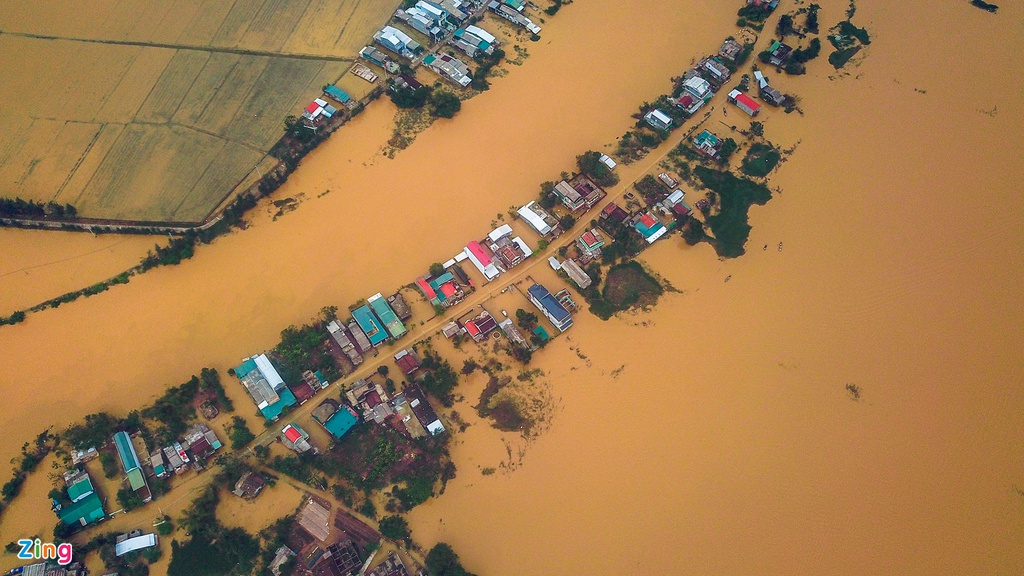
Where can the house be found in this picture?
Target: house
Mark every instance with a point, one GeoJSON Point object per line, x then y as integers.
{"type": "Point", "coordinates": [391, 566]}
{"type": "Point", "coordinates": [281, 556]}
{"type": "Point", "coordinates": [249, 485]}
{"type": "Point", "coordinates": [483, 262]}
{"type": "Point", "coordinates": [370, 326]}
{"type": "Point", "coordinates": [539, 219]}
{"type": "Point", "coordinates": [769, 5]}
{"type": "Point", "coordinates": [387, 315]}
{"type": "Point", "coordinates": [675, 204]}
{"type": "Point", "coordinates": [744, 102]}
{"type": "Point", "coordinates": [336, 419]}
{"type": "Point", "coordinates": [503, 9]}
{"type": "Point", "coordinates": [315, 518]}
{"type": "Point", "coordinates": [174, 460]}
{"type": "Point", "coordinates": [759, 77]}
{"type": "Point", "coordinates": [159, 465]}
{"type": "Point", "coordinates": [344, 342]}
{"type": "Point", "coordinates": [395, 40]}
{"type": "Point", "coordinates": [359, 338]}
{"type": "Point", "coordinates": [421, 20]}
{"type": "Point", "coordinates": [313, 113]}
{"type": "Point", "coordinates": [131, 465]}
{"type": "Point", "coordinates": [371, 54]}
{"type": "Point", "coordinates": [579, 193]}
{"type": "Point", "coordinates": [451, 329]}
{"type": "Point", "coordinates": [441, 291]}
{"type": "Point", "coordinates": [576, 274]}
{"type": "Point", "coordinates": [479, 326]}
{"type": "Point", "coordinates": [718, 72]}
{"type": "Point", "coordinates": [201, 440]}
{"type": "Point", "coordinates": [730, 50]}
{"type": "Point", "coordinates": [668, 180]}
{"type": "Point", "coordinates": [474, 41]}
{"type": "Point", "coordinates": [614, 213]}
{"type": "Point", "coordinates": [400, 306]}
{"type": "Point", "coordinates": [337, 94]}
{"type": "Point", "coordinates": [406, 82]}
{"type": "Point", "coordinates": [134, 541]}
{"type": "Point", "coordinates": [343, 557]}
{"type": "Point", "coordinates": [509, 251]}
{"type": "Point", "coordinates": [423, 410]}
{"type": "Point", "coordinates": [295, 438]}
{"type": "Point", "coordinates": [658, 120]}
{"type": "Point", "coordinates": [86, 506]}
{"type": "Point", "coordinates": [607, 161]}
{"type": "Point", "coordinates": [707, 143]}
{"type": "Point", "coordinates": [772, 96]}
{"type": "Point", "coordinates": [81, 456]}
{"type": "Point", "coordinates": [696, 92]}
{"type": "Point", "coordinates": [591, 242]}
{"type": "Point", "coordinates": [407, 361]}
{"type": "Point", "coordinates": [779, 53]}
{"type": "Point", "coordinates": [449, 67]}
{"type": "Point", "coordinates": [550, 307]}
{"type": "Point", "coordinates": [305, 388]}
{"type": "Point", "coordinates": [453, 11]}
{"type": "Point", "coordinates": [265, 385]}
{"type": "Point", "coordinates": [650, 228]}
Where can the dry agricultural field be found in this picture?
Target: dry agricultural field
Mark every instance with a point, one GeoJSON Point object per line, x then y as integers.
{"type": "Point", "coordinates": [156, 109]}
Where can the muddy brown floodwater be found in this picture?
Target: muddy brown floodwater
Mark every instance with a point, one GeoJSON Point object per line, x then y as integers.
{"type": "Point", "coordinates": [713, 434]}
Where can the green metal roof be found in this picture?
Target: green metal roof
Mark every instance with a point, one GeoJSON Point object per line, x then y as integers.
{"type": "Point", "coordinates": [341, 422]}
{"type": "Point", "coordinates": [80, 489]}
{"type": "Point", "coordinates": [84, 512]}
{"type": "Point", "coordinates": [129, 460]}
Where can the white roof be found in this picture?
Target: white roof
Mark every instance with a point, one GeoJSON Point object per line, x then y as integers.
{"type": "Point", "coordinates": [320, 102]}
{"type": "Point", "coordinates": [734, 94]}
{"type": "Point", "coordinates": [658, 114]}
{"type": "Point", "coordinates": [500, 232]}
{"type": "Point", "coordinates": [268, 371]}
{"type": "Point", "coordinates": [758, 75]}
{"type": "Point", "coordinates": [490, 271]}
{"type": "Point", "coordinates": [449, 263]}
{"type": "Point", "coordinates": [535, 221]}
{"type": "Point", "coordinates": [532, 27]}
{"type": "Point", "coordinates": [675, 197]}
{"type": "Point", "coordinates": [396, 35]}
{"type": "Point", "coordinates": [698, 86]}
{"type": "Point", "coordinates": [554, 263]}
{"type": "Point", "coordinates": [481, 34]}
{"type": "Point", "coordinates": [607, 161]}
{"type": "Point", "coordinates": [437, 12]}
{"type": "Point", "coordinates": [132, 544]}
{"type": "Point", "coordinates": [435, 427]}
{"type": "Point", "coordinates": [661, 232]}
{"type": "Point", "coordinates": [458, 258]}
{"type": "Point", "coordinates": [527, 251]}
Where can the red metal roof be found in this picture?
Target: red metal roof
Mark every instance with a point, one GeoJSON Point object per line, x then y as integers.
{"type": "Point", "coordinates": [589, 239]}
{"type": "Point", "coordinates": [426, 288]}
{"type": "Point", "coordinates": [407, 364]}
{"type": "Point", "coordinates": [372, 399]}
{"type": "Point", "coordinates": [449, 289]}
{"type": "Point", "coordinates": [292, 434]}
{"type": "Point", "coordinates": [647, 220]}
{"type": "Point", "coordinates": [312, 107]}
{"type": "Point", "coordinates": [471, 328]}
{"type": "Point", "coordinates": [748, 102]}
{"type": "Point", "coordinates": [479, 252]}
{"type": "Point", "coordinates": [686, 101]}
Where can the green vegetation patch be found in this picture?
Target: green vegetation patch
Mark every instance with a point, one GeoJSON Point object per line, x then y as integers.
{"type": "Point", "coordinates": [629, 285]}
{"type": "Point", "coordinates": [736, 195]}
{"type": "Point", "coordinates": [984, 6]}
{"type": "Point", "coordinates": [839, 58]}
{"type": "Point", "coordinates": [760, 160]}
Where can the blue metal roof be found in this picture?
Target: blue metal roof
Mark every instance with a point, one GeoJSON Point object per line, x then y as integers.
{"type": "Point", "coordinates": [342, 421]}
{"type": "Point", "coordinates": [549, 302]}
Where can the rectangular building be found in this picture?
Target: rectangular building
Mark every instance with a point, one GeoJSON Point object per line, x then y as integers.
{"type": "Point", "coordinates": [265, 385]}
{"type": "Point", "coordinates": [370, 326]}
{"type": "Point", "coordinates": [550, 307]}
{"type": "Point", "coordinates": [132, 467]}
{"type": "Point", "coordinates": [483, 261]}
{"type": "Point", "coordinates": [539, 219]}
{"type": "Point", "coordinates": [387, 315]}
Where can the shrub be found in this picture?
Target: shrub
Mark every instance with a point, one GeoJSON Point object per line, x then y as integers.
{"type": "Point", "coordinates": [395, 528]}
{"type": "Point", "coordinates": [444, 104]}
{"type": "Point", "coordinates": [239, 433]}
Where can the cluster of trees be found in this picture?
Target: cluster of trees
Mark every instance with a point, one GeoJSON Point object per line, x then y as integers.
{"type": "Point", "coordinates": [443, 561]}
{"type": "Point", "coordinates": [301, 348]}
{"type": "Point", "coordinates": [443, 104]}
{"type": "Point", "coordinates": [239, 433]}
{"type": "Point", "coordinates": [590, 164]}
{"type": "Point", "coordinates": [18, 208]}
{"type": "Point", "coordinates": [440, 379]}
{"type": "Point", "coordinates": [213, 548]}
{"type": "Point", "coordinates": [485, 62]}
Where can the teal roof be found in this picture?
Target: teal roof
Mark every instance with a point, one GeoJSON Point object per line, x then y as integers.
{"type": "Point", "coordinates": [337, 93]}
{"type": "Point", "coordinates": [80, 489]}
{"type": "Point", "coordinates": [86, 511]}
{"type": "Point", "coordinates": [708, 137]}
{"type": "Point", "coordinates": [540, 331]}
{"type": "Point", "coordinates": [126, 451]}
{"type": "Point", "coordinates": [342, 421]}
{"type": "Point", "coordinates": [245, 367]}
{"type": "Point", "coordinates": [370, 325]}
{"type": "Point", "coordinates": [274, 410]}
{"type": "Point", "coordinates": [159, 468]}
{"type": "Point", "coordinates": [387, 316]}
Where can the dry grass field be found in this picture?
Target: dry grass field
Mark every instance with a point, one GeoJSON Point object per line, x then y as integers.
{"type": "Point", "coordinates": [155, 109]}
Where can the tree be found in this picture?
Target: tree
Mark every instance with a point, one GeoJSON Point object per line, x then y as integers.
{"type": "Point", "coordinates": [725, 152]}
{"type": "Point", "coordinates": [528, 320]}
{"type": "Point", "coordinates": [129, 499]}
{"type": "Point", "coordinates": [567, 221]}
{"type": "Point", "coordinates": [383, 370]}
{"type": "Point", "coordinates": [436, 269]}
{"type": "Point", "coordinates": [395, 528]}
{"type": "Point", "coordinates": [785, 26]}
{"type": "Point", "coordinates": [590, 164]}
{"type": "Point", "coordinates": [240, 433]}
{"type": "Point", "coordinates": [444, 104]}
{"type": "Point", "coordinates": [811, 24]}
{"type": "Point", "coordinates": [693, 232]}
{"type": "Point", "coordinates": [409, 98]}
{"type": "Point", "coordinates": [756, 129]}
{"type": "Point", "coordinates": [108, 463]}
{"type": "Point", "coordinates": [443, 561]}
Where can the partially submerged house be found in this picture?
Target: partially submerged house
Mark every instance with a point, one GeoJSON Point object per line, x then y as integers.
{"type": "Point", "coordinates": [131, 465]}
{"type": "Point", "coordinates": [295, 438]}
{"type": "Point", "coordinates": [407, 361]}
{"type": "Point", "coordinates": [423, 410]}
{"type": "Point", "coordinates": [576, 274]}
{"type": "Point", "coordinates": [579, 193]}
{"type": "Point", "coordinates": [341, 337]}
{"type": "Point", "coordinates": [509, 250]}
{"type": "Point", "coordinates": [249, 485]}
{"type": "Point", "coordinates": [744, 102]}
{"type": "Point", "coordinates": [337, 94]}
{"type": "Point", "coordinates": [265, 385]}
{"type": "Point", "coordinates": [482, 260]}
{"type": "Point", "coordinates": [375, 56]}
{"type": "Point", "coordinates": [696, 92]}
{"type": "Point", "coordinates": [474, 41]}
{"type": "Point", "coordinates": [86, 506]}
{"type": "Point", "coordinates": [480, 325]}
{"type": "Point", "coordinates": [201, 441]}
{"type": "Point", "coordinates": [359, 337]}
{"type": "Point", "coordinates": [422, 19]}
{"type": "Point", "coordinates": [658, 120]}
{"type": "Point", "coordinates": [649, 227]}
{"type": "Point", "coordinates": [514, 335]}
{"type": "Point", "coordinates": [707, 143]}
{"type": "Point", "coordinates": [315, 518]}
{"type": "Point", "coordinates": [675, 204]}
{"type": "Point", "coordinates": [615, 213]}
{"type": "Point", "coordinates": [771, 96]}
{"type": "Point", "coordinates": [387, 315]}
{"type": "Point", "coordinates": [336, 419]}
{"type": "Point", "coordinates": [550, 307]}
{"type": "Point", "coordinates": [395, 40]}
{"type": "Point", "coordinates": [730, 50]}
{"type": "Point", "coordinates": [400, 306]}
{"type": "Point", "coordinates": [715, 70]}
{"type": "Point", "coordinates": [507, 11]}
{"type": "Point", "coordinates": [779, 53]}
{"type": "Point", "coordinates": [590, 243]}
{"type": "Point", "coordinates": [443, 290]}
{"type": "Point", "coordinates": [539, 219]}
{"type": "Point", "coordinates": [370, 325]}
{"type": "Point", "coordinates": [449, 67]}
{"type": "Point", "coordinates": [133, 542]}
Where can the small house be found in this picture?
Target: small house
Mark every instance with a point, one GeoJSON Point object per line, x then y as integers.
{"type": "Point", "coordinates": [336, 419]}
{"type": "Point", "coordinates": [395, 40]}
{"type": "Point", "coordinates": [579, 193]}
{"type": "Point", "coordinates": [337, 94]}
{"type": "Point", "coordinates": [744, 102]}
{"type": "Point", "coordinates": [513, 333]}
{"type": "Point", "coordinates": [607, 161]}
{"type": "Point", "coordinates": [383, 310]}
{"type": "Point", "coordinates": [370, 325]}
{"type": "Point", "coordinates": [650, 228]}
{"type": "Point", "coordinates": [707, 143]}
{"type": "Point", "coordinates": [779, 53]}
{"type": "Point", "coordinates": [295, 438]}
{"type": "Point", "coordinates": [342, 339]}
{"type": "Point", "coordinates": [483, 261]}
{"type": "Point", "coordinates": [658, 120]}
{"type": "Point", "coordinates": [134, 541]}
{"type": "Point", "coordinates": [508, 250]}
{"type": "Point", "coordinates": [86, 506]}
{"type": "Point", "coordinates": [400, 306]}
{"type": "Point", "coordinates": [359, 338]}
{"type": "Point", "coordinates": [696, 92]}
{"type": "Point", "coordinates": [249, 485]}
{"type": "Point", "coordinates": [423, 411]}
{"type": "Point", "coordinates": [615, 213]}
{"type": "Point", "coordinates": [480, 326]}
{"type": "Point", "coordinates": [407, 361]}
{"type": "Point", "coordinates": [449, 67]}
{"type": "Point", "coordinates": [509, 12]}
{"type": "Point", "coordinates": [772, 96]}
{"type": "Point", "coordinates": [718, 72]}
{"type": "Point", "coordinates": [591, 242]}
{"type": "Point", "coordinates": [374, 56]}
{"type": "Point", "coordinates": [576, 274]}
{"type": "Point", "coordinates": [539, 219]}
{"type": "Point", "coordinates": [730, 50]}
{"type": "Point", "coordinates": [131, 465]}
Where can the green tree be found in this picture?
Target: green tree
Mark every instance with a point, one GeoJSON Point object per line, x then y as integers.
{"type": "Point", "coordinates": [408, 98]}
{"type": "Point", "coordinates": [383, 370]}
{"type": "Point", "coordinates": [129, 499]}
{"type": "Point", "coordinates": [444, 104]}
{"type": "Point", "coordinates": [240, 433]}
{"type": "Point", "coordinates": [443, 561]}
{"type": "Point", "coordinates": [590, 164]}
{"type": "Point", "coordinates": [395, 528]}
{"type": "Point", "coordinates": [436, 269]}
{"type": "Point", "coordinates": [756, 129]}
{"type": "Point", "coordinates": [527, 320]}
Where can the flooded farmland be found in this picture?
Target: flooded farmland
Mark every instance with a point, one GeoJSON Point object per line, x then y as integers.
{"type": "Point", "coordinates": [714, 433]}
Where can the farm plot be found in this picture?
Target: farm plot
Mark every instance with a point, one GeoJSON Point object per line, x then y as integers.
{"type": "Point", "coordinates": [155, 111]}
